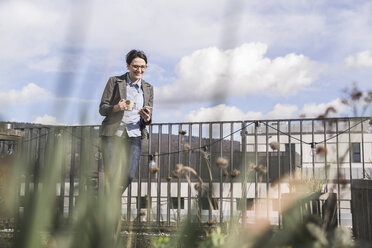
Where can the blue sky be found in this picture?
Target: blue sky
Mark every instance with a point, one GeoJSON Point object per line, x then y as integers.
{"type": "Point", "coordinates": [208, 60]}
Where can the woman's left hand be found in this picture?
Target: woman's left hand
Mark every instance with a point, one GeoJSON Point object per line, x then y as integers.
{"type": "Point", "coordinates": [145, 113]}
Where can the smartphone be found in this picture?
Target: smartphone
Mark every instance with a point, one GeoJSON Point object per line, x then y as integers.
{"type": "Point", "coordinates": [146, 109]}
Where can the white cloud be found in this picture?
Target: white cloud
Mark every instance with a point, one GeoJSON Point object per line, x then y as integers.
{"type": "Point", "coordinates": [281, 111]}
{"type": "Point", "coordinates": [29, 93]}
{"type": "Point", "coordinates": [213, 75]}
{"type": "Point", "coordinates": [65, 63]}
{"type": "Point", "coordinates": [314, 110]}
{"type": "Point", "coordinates": [46, 120]}
{"type": "Point", "coordinates": [32, 93]}
{"type": "Point", "coordinates": [360, 60]}
{"type": "Point", "coordinates": [224, 112]}
{"type": "Point", "coordinates": [44, 28]}
{"type": "Point", "coordinates": [220, 112]}
{"type": "Point", "coordinates": [28, 29]}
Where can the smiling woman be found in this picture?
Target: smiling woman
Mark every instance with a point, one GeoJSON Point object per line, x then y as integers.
{"type": "Point", "coordinates": [127, 106]}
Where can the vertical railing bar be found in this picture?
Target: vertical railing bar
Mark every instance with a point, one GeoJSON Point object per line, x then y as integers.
{"type": "Point", "coordinates": [362, 149]}
{"type": "Point", "coordinates": [63, 173]}
{"type": "Point", "coordinates": [149, 198]}
{"type": "Point", "coordinates": [100, 171]}
{"type": "Point", "coordinates": [47, 136]}
{"type": "Point", "coordinates": [139, 184]}
{"type": "Point", "coordinates": [267, 170]}
{"type": "Point", "coordinates": [169, 171]}
{"type": "Point", "coordinates": [200, 145]}
{"type": "Point", "coordinates": [129, 197]}
{"type": "Point", "coordinates": [312, 147]}
{"type": "Point", "coordinates": [279, 176]}
{"type": "Point", "coordinates": [160, 133]}
{"type": "Point", "coordinates": [29, 164]}
{"type": "Point", "coordinates": [81, 163]}
{"type": "Point", "coordinates": [88, 148]}
{"type": "Point", "coordinates": [256, 173]}
{"type": "Point", "coordinates": [139, 190]}
{"type": "Point", "coordinates": [179, 177]}
{"type": "Point", "coordinates": [129, 201]}
{"type": "Point", "coordinates": [200, 169]}
{"type": "Point", "coordinates": [350, 169]}
{"type": "Point", "coordinates": [221, 174]}
{"type": "Point", "coordinates": [244, 174]}
{"type": "Point", "coordinates": [231, 169]}
{"type": "Point", "coordinates": [21, 149]}
{"type": "Point", "coordinates": [301, 150]}
{"type": "Point", "coordinates": [37, 162]}
{"type": "Point", "coordinates": [350, 153]}
{"type": "Point", "coordinates": [338, 177]}
{"type": "Point", "coordinates": [290, 149]}
{"type": "Point", "coordinates": [325, 155]}
{"type": "Point", "coordinates": [210, 181]}
{"type": "Point", "coordinates": [72, 174]}
{"type": "Point", "coordinates": [189, 164]}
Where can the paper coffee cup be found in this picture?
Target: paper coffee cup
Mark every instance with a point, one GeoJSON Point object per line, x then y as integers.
{"type": "Point", "coordinates": [129, 104]}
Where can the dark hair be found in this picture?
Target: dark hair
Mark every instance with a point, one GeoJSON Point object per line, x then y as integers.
{"type": "Point", "coordinates": [135, 54]}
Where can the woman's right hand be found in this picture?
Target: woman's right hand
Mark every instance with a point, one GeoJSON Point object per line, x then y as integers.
{"type": "Point", "coordinates": [121, 106]}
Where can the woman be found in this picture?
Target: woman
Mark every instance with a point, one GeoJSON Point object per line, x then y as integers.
{"type": "Point", "coordinates": [127, 106]}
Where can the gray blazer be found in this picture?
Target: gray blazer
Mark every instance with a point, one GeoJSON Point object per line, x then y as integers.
{"type": "Point", "coordinates": [115, 90]}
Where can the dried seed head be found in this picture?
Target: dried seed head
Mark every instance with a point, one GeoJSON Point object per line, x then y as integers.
{"type": "Point", "coordinates": [182, 132]}
{"type": "Point", "coordinates": [329, 110]}
{"type": "Point", "coordinates": [169, 179]}
{"type": "Point", "coordinates": [261, 169]}
{"type": "Point", "coordinates": [187, 169]}
{"type": "Point", "coordinates": [341, 179]}
{"type": "Point", "coordinates": [252, 166]}
{"type": "Point", "coordinates": [211, 222]}
{"type": "Point", "coordinates": [205, 155]}
{"type": "Point", "coordinates": [176, 173]}
{"type": "Point", "coordinates": [222, 163]}
{"type": "Point", "coordinates": [142, 213]}
{"type": "Point", "coordinates": [154, 170]}
{"type": "Point", "coordinates": [197, 187]}
{"type": "Point", "coordinates": [355, 94]}
{"type": "Point", "coordinates": [234, 173]}
{"type": "Point", "coordinates": [179, 167]}
{"type": "Point", "coordinates": [186, 146]}
{"type": "Point", "coordinates": [275, 145]}
{"type": "Point", "coordinates": [321, 150]}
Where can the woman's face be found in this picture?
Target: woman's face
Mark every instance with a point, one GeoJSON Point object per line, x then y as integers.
{"type": "Point", "coordinates": [136, 69]}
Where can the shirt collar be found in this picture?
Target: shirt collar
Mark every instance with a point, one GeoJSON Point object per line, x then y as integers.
{"type": "Point", "coordinates": [138, 84]}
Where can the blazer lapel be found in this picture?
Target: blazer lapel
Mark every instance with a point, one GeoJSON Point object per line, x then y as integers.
{"type": "Point", "coordinates": [122, 85]}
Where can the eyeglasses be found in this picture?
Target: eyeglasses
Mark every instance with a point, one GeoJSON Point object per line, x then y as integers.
{"type": "Point", "coordinates": [143, 67]}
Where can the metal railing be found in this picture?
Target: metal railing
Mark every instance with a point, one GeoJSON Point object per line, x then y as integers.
{"type": "Point", "coordinates": [264, 157]}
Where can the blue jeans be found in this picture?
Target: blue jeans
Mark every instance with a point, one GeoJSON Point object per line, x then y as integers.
{"type": "Point", "coordinates": [121, 150]}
